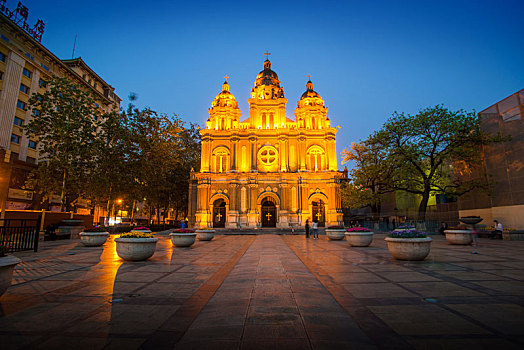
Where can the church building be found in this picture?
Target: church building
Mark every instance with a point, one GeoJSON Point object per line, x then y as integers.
{"type": "Point", "coordinates": [268, 170]}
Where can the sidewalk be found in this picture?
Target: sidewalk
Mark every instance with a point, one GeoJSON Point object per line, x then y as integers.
{"type": "Point", "coordinates": [266, 292]}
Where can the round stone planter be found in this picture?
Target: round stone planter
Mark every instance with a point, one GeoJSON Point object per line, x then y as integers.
{"type": "Point", "coordinates": [335, 234]}
{"type": "Point", "coordinates": [93, 239]}
{"type": "Point", "coordinates": [135, 249]}
{"type": "Point", "coordinates": [409, 248]}
{"type": "Point", "coordinates": [182, 240]}
{"type": "Point", "coordinates": [459, 237]}
{"type": "Point", "coordinates": [7, 265]}
{"type": "Point", "coordinates": [359, 239]}
{"type": "Point", "coordinates": [205, 235]}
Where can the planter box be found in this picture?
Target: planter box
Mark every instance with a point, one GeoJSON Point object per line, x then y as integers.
{"type": "Point", "coordinates": [459, 237]}
{"type": "Point", "coordinates": [93, 239]}
{"type": "Point", "coordinates": [135, 249]}
{"type": "Point", "coordinates": [205, 235]}
{"type": "Point", "coordinates": [182, 240]}
{"type": "Point", "coordinates": [409, 248]}
{"type": "Point", "coordinates": [335, 234]}
{"type": "Point", "coordinates": [7, 265]}
{"type": "Point", "coordinates": [359, 239]}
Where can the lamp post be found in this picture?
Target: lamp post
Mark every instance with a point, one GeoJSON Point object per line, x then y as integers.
{"type": "Point", "coordinates": [119, 201]}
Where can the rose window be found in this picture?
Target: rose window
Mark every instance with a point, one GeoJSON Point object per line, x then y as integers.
{"type": "Point", "coordinates": [267, 155]}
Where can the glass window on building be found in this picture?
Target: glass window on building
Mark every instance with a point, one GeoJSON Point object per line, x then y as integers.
{"type": "Point", "coordinates": [42, 83]}
{"type": "Point", "coordinates": [18, 121]}
{"type": "Point", "coordinates": [21, 105]}
{"type": "Point", "coordinates": [36, 112]}
{"type": "Point", "coordinates": [32, 144]}
{"type": "Point", "coordinates": [24, 89]}
{"type": "Point", "coordinates": [27, 73]}
{"type": "Point", "coordinates": [3, 57]}
{"type": "Point", "coordinates": [1, 75]}
{"type": "Point", "coordinates": [31, 160]}
{"type": "Point", "coordinates": [15, 138]}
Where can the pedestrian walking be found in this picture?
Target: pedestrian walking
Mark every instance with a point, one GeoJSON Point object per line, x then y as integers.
{"type": "Point", "coordinates": [307, 228]}
{"type": "Point", "coordinates": [497, 232]}
{"type": "Point", "coordinates": [315, 229]}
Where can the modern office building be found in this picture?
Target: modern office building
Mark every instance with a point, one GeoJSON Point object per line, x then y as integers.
{"type": "Point", "coordinates": [504, 164]}
{"type": "Point", "coordinates": [25, 65]}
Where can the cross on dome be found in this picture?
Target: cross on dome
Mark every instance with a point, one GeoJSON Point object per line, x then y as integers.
{"type": "Point", "coordinates": [267, 53]}
{"type": "Point", "coordinates": [226, 77]}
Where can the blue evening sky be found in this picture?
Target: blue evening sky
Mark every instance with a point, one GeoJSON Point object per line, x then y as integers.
{"type": "Point", "coordinates": [367, 58]}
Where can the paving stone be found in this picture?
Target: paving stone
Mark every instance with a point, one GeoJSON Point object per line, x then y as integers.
{"type": "Point", "coordinates": [266, 291]}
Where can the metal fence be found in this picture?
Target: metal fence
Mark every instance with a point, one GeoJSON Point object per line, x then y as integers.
{"type": "Point", "coordinates": [19, 234]}
{"type": "Point", "coordinates": [430, 226]}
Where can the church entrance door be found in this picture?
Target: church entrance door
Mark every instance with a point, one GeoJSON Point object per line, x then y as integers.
{"type": "Point", "coordinates": [269, 214]}
{"type": "Point", "coordinates": [219, 213]}
{"type": "Point", "coordinates": [319, 213]}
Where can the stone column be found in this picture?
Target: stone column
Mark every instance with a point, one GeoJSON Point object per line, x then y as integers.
{"type": "Point", "coordinates": [234, 143]}
{"type": "Point", "coordinates": [302, 153]}
{"type": "Point", "coordinates": [253, 154]}
{"type": "Point", "coordinates": [9, 97]}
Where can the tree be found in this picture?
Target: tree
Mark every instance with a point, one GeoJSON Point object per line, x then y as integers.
{"type": "Point", "coordinates": [64, 123]}
{"type": "Point", "coordinates": [370, 178]}
{"type": "Point", "coordinates": [425, 151]}
{"type": "Point", "coordinates": [164, 151]}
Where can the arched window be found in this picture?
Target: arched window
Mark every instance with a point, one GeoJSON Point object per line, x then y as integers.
{"type": "Point", "coordinates": [220, 160]}
{"type": "Point", "coordinates": [316, 159]}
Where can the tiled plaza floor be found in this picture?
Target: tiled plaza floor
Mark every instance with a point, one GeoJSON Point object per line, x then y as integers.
{"type": "Point", "coordinates": [266, 292]}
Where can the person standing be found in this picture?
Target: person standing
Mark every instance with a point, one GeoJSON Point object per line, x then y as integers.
{"type": "Point", "coordinates": [315, 229]}
{"type": "Point", "coordinates": [307, 228]}
{"type": "Point", "coordinates": [497, 232]}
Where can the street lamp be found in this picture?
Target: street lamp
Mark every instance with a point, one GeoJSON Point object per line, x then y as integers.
{"type": "Point", "coordinates": [119, 201]}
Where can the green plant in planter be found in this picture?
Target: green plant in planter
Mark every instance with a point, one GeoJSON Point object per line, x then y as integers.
{"type": "Point", "coordinates": [96, 229]}
{"type": "Point", "coordinates": [184, 230]}
{"type": "Point", "coordinates": [136, 235]}
{"type": "Point", "coordinates": [407, 234]}
{"type": "Point", "coordinates": [359, 229]}
{"type": "Point", "coordinates": [4, 249]}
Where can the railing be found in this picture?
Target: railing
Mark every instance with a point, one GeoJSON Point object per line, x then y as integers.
{"type": "Point", "coordinates": [430, 226]}
{"type": "Point", "coordinates": [19, 234]}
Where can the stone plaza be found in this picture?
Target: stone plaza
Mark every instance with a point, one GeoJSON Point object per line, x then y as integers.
{"type": "Point", "coordinates": [266, 292]}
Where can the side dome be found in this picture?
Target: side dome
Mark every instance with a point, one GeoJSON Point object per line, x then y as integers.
{"type": "Point", "coordinates": [310, 97]}
{"type": "Point", "coordinates": [225, 98]}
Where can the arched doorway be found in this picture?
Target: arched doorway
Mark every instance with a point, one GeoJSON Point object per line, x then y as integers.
{"type": "Point", "coordinates": [268, 213]}
{"type": "Point", "coordinates": [219, 213]}
{"type": "Point", "coordinates": [319, 213]}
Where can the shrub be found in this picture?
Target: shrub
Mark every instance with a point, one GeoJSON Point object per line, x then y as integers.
{"type": "Point", "coordinates": [359, 229]}
{"type": "Point", "coordinates": [4, 249]}
{"type": "Point", "coordinates": [136, 235]}
{"type": "Point", "coordinates": [97, 229]}
{"type": "Point", "coordinates": [407, 234]}
{"type": "Point", "coordinates": [335, 227]}
{"type": "Point", "coordinates": [184, 230]}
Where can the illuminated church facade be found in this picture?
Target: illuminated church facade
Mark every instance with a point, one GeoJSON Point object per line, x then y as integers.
{"type": "Point", "coordinates": [268, 170]}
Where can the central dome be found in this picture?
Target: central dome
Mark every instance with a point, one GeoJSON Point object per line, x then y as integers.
{"type": "Point", "coordinates": [267, 76]}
